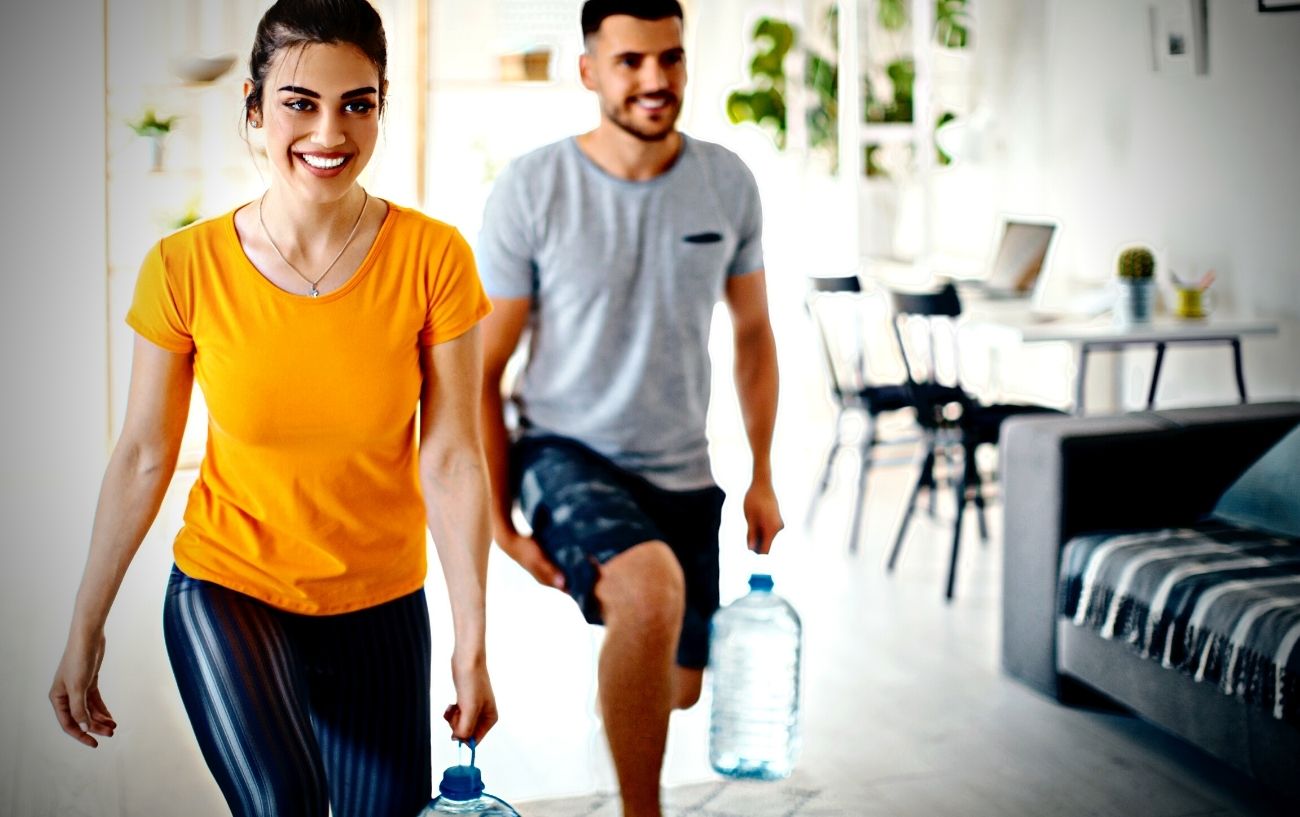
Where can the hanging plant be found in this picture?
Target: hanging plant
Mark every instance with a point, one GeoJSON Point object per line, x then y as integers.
{"type": "Point", "coordinates": [822, 78]}
{"type": "Point", "coordinates": [952, 23]}
{"type": "Point", "coordinates": [892, 14]}
{"type": "Point", "coordinates": [764, 104]}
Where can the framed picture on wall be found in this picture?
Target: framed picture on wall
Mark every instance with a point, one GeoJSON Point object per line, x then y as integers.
{"type": "Point", "coordinates": [1279, 5]}
{"type": "Point", "coordinates": [1179, 40]}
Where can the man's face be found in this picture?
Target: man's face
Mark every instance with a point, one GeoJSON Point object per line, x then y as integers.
{"type": "Point", "coordinates": [638, 70]}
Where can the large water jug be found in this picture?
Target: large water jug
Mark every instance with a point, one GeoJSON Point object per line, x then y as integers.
{"type": "Point", "coordinates": [461, 792]}
{"type": "Point", "coordinates": [754, 727]}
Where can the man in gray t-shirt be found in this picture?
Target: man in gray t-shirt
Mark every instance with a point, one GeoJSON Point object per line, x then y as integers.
{"type": "Point", "coordinates": [608, 252]}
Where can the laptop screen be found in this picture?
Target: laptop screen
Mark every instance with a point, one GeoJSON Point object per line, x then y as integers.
{"type": "Point", "coordinates": [1020, 256]}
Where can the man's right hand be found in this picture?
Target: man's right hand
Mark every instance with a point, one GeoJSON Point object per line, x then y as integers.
{"type": "Point", "coordinates": [531, 557]}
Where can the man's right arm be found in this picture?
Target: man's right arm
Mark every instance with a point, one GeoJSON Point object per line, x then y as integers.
{"type": "Point", "coordinates": [501, 333]}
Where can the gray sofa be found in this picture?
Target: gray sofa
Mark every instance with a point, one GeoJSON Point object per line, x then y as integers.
{"type": "Point", "coordinates": [1068, 476]}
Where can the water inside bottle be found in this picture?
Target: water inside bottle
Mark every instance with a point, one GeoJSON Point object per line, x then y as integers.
{"type": "Point", "coordinates": [754, 731]}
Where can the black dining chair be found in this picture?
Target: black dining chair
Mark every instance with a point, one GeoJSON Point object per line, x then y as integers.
{"type": "Point", "coordinates": [954, 424]}
{"type": "Point", "coordinates": [847, 330]}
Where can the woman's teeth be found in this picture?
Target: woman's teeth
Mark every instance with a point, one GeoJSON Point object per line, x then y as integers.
{"type": "Point", "coordinates": [321, 162]}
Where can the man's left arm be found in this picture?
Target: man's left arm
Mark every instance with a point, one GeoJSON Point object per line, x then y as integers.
{"type": "Point", "coordinates": [756, 385]}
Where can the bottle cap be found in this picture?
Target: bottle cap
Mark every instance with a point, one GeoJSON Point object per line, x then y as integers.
{"type": "Point", "coordinates": [760, 581]}
{"type": "Point", "coordinates": [461, 783]}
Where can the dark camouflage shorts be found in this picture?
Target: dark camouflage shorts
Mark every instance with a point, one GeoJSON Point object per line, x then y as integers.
{"type": "Point", "coordinates": [585, 510]}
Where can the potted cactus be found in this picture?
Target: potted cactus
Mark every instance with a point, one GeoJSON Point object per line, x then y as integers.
{"type": "Point", "coordinates": [1136, 269]}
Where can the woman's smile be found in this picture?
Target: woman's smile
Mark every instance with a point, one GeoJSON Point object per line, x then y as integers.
{"type": "Point", "coordinates": [324, 165]}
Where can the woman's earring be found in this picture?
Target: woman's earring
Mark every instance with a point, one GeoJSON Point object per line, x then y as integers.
{"type": "Point", "coordinates": [257, 123]}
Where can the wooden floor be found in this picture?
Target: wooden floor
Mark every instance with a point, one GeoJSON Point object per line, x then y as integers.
{"type": "Point", "coordinates": [906, 711]}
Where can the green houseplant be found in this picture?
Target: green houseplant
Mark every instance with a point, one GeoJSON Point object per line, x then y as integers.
{"type": "Point", "coordinates": [1135, 269]}
{"type": "Point", "coordinates": [184, 217]}
{"type": "Point", "coordinates": [155, 129]}
{"type": "Point", "coordinates": [764, 104]}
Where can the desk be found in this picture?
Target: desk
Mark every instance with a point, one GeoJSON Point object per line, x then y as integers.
{"type": "Point", "coordinates": [1102, 334]}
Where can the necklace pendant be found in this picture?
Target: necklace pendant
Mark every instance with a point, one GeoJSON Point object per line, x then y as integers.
{"type": "Point", "coordinates": [315, 293]}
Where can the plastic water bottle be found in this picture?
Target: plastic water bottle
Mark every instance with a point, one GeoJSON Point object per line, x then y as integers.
{"type": "Point", "coordinates": [461, 792]}
{"type": "Point", "coordinates": [754, 725]}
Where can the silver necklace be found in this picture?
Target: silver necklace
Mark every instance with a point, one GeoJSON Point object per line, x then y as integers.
{"type": "Point", "coordinates": [315, 293]}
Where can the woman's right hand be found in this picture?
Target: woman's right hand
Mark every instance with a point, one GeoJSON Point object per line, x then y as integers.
{"type": "Point", "coordinates": [75, 692]}
{"type": "Point", "coordinates": [135, 482]}
{"type": "Point", "coordinates": [531, 557]}
{"type": "Point", "coordinates": [475, 710]}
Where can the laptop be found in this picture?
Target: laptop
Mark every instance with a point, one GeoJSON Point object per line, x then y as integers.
{"type": "Point", "coordinates": [1017, 273]}
{"type": "Point", "coordinates": [1017, 266]}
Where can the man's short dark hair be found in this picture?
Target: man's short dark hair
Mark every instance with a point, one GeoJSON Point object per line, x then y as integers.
{"type": "Point", "coordinates": [594, 12]}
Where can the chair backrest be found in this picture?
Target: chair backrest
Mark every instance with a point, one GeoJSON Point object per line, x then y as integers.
{"type": "Point", "coordinates": [852, 330]}
{"type": "Point", "coordinates": [839, 283]}
{"type": "Point", "coordinates": [925, 330]}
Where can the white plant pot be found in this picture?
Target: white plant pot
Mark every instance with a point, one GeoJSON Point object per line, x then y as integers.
{"type": "Point", "coordinates": [157, 152]}
{"type": "Point", "coordinates": [1136, 302]}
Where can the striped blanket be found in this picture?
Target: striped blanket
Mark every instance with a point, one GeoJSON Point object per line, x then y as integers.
{"type": "Point", "coordinates": [1219, 603]}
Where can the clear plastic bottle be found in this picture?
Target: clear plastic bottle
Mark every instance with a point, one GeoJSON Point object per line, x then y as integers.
{"type": "Point", "coordinates": [754, 723]}
{"type": "Point", "coordinates": [461, 792]}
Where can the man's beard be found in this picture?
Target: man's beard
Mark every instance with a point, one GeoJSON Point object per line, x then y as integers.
{"type": "Point", "coordinates": [620, 117]}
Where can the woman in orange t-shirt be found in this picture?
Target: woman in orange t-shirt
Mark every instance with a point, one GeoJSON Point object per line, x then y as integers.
{"type": "Point", "coordinates": [334, 336]}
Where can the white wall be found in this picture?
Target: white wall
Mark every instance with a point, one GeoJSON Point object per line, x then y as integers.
{"type": "Point", "coordinates": [55, 380]}
{"type": "Point", "coordinates": [1202, 168]}
{"type": "Point", "coordinates": [56, 428]}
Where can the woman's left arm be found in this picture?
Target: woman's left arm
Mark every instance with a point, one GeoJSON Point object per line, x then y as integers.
{"type": "Point", "coordinates": [453, 477]}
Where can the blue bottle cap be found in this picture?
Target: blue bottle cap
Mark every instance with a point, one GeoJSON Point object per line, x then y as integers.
{"type": "Point", "coordinates": [760, 581]}
{"type": "Point", "coordinates": [461, 783]}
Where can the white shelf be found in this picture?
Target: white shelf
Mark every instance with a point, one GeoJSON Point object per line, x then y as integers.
{"type": "Point", "coordinates": [504, 86]}
{"type": "Point", "coordinates": [873, 215]}
{"type": "Point", "coordinates": [887, 133]}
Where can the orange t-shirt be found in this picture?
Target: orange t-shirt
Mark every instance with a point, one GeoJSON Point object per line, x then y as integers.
{"type": "Point", "coordinates": [308, 497]}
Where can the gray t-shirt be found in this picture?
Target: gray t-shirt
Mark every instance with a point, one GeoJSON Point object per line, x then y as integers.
{"type": "Point", "coordinates": [624, 276]}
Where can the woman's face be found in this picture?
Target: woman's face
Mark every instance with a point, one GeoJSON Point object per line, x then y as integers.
{"type": "Point", "coordinates": [320, 113]}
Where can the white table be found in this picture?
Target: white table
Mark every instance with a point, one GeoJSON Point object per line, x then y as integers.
{"type": "Point", "coordinates": [1103, 334]}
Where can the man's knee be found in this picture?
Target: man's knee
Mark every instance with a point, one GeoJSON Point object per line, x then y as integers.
{"type": "Point", "coordinates": [643, 584]}
{"type": "Point", "coordinates": [687, 684]}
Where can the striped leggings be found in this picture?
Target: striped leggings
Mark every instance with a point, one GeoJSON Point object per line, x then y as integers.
{"type": "Point", "coordinates": [297, 714]}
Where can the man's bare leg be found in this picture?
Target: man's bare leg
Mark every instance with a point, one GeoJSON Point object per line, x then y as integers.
{"type": "Point", "coordinates": [642, 596]}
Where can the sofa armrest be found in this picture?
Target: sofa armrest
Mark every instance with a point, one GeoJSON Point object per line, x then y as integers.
{"type": "Point", "coordinates": [1063, 476]}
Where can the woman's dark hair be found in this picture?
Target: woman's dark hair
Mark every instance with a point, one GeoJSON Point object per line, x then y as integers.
{"type": "Point", "coordinates": [291, 23]}
{"type": "Point", "coordinates": [594, 12]}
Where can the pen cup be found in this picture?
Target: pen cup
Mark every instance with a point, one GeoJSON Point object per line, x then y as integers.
{"type": "Point", "coordinates": [1190, 302]}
